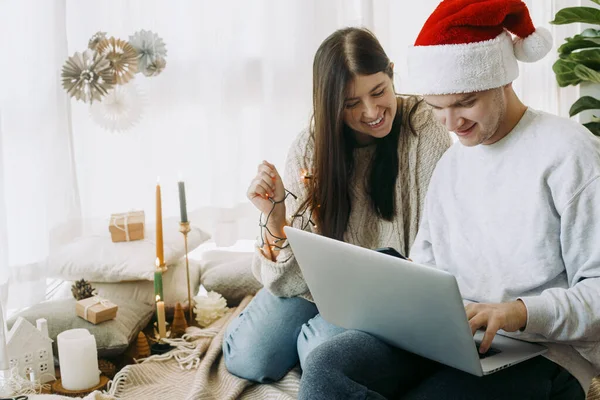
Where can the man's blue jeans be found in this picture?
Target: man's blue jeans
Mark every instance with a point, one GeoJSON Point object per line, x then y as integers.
{"type": "Point", "coordinates": [272, 334]}
{"type": "Point", "coordinates": [356, 366]}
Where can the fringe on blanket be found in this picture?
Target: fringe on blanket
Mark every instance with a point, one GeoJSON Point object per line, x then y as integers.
{"type": "Point", "coordinates": [117, 382]}
{"type": "Point", "coordinates": [188, 351]}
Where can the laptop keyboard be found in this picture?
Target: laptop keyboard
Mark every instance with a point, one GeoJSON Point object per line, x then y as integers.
{"type": "Point", "coordinates": [491, 352]}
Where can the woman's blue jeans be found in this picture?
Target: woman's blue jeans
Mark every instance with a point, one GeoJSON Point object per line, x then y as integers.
{"type": "Point", "coordinates": [272, 334]}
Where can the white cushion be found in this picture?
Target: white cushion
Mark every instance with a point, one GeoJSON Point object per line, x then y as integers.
{"type": "Point", "coordinates": [174, 287]}
{"type": "Point", "coordinates": [229, 273]}
{"type": "Point", "coordinates": [96, 258]}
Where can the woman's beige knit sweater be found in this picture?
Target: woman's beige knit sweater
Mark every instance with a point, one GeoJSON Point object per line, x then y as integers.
{"type": "Point", "coordinates": [418, 154]}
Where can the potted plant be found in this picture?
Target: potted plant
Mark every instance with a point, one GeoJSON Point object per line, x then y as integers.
{"type": "Point", "coordinates": [579, 58]}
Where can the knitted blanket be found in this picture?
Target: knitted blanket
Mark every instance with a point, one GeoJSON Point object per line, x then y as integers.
{"type": "Point", "coordinates": [196, 370]}
{"type": "Point", "coordinates": [594, 392]}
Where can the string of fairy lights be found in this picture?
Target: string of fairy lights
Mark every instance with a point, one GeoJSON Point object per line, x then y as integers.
{"type": "Point", "coordinates": [304, 223]}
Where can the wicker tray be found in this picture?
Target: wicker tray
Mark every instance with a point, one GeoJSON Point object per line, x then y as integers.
{"type": "Point", "coordinates": [57, 388]}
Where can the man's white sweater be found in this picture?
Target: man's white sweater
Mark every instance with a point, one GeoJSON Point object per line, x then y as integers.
{"type": "Point", "coordinates": [521, 219]}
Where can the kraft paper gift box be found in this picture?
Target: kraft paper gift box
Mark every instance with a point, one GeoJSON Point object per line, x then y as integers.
{"type": "Point", "coordinates": [96, 309]}
{"type": "Point", "coordinates": [127, 226]}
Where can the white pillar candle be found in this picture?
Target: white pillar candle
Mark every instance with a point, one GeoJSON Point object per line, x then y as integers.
{"type": "Point", "coordinates": [4, 365]}
{"type": "Point", "coordinates": [78, 357]}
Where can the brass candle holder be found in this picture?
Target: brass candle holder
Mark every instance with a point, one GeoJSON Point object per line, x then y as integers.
{"type": "Point", "coordinates": [163, 268]}
{"type": "Point", "coordinates": [184, 227]}
{"type": "Point", "coordinates": [155, 338]}
{"type": "Point", "coordinates": [157, 344]}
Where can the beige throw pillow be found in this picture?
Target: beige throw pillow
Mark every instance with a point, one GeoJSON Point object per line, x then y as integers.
{"type": "Point", "coordinates": [112, 337]}
{"type": "Point", "coordinates": [229, 273]}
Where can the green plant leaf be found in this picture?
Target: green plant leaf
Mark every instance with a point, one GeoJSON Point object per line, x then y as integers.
{"type": "Point", "coordinates": [586, 74]}
{"type": "Point", "coordinates": [590, 58]}
{"type": "Point", "coordinates": [594, 127]}
{"type": "Point", "coordinates": [590, 33]}
{"type": "Point", "coordinates": [565, 72]}
{"type": "Point", "coordinates": [596, 1]}
{"type": "Point", "coordinates": [584, 103]}
{"type": "Point", "coordinates": [587, 34]}
{"type": "Point", "coordinates": [571, 15]}
{"type": "Point", "coordinates": [576, 44]}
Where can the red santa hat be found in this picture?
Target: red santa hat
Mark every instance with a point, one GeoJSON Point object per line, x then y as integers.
{"type": "Point", "coordinates": [465, 46]}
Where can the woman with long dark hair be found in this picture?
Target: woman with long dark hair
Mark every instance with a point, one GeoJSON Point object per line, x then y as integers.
{"type": "Point", "coordinates": [358, 174]}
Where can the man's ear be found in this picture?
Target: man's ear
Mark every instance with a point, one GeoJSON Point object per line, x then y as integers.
{"type": "Point", "coordinates": [392, 66]}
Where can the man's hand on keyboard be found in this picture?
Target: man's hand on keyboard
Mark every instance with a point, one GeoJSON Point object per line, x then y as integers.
{"type": "Point", "coordinates": [508, 316]}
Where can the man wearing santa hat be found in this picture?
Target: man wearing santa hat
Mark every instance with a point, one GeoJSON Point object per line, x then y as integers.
{"type": "Point", "coordinates": [512, 211]}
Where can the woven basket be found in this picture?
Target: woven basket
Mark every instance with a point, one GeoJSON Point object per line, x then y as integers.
{"type": "Point", "coordinates": [594, 392]}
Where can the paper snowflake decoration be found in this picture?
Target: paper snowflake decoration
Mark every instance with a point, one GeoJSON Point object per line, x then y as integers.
{"type": "Point", "coordinates": [122, 57]}
{"type": "Point", "coordinates": [94, 40]}
{"type": "Point", "coordinates": [120, 110]}
{"type": "Point", "coordinates": [151, 49]}
{"type": "Point", "coordinates": [156, 67]}
{"type": "Point", "coordinates": [87, 76]}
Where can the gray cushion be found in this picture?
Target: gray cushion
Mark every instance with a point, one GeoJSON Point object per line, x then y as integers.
{"type": "Point", "coordinates": [112, 337]}
{"type": "Point", "coordinates": [229, 273]}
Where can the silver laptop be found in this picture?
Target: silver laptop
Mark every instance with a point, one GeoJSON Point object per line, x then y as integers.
{"type": "Point", "coordinates": [411, 306]}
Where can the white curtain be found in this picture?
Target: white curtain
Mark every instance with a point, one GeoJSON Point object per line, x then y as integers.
{"type": "Point", "coordinates": [38, 186]}
{"type": "Point", "coordinates": [236, 90]}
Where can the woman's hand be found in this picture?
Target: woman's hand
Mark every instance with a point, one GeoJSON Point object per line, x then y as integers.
{"type": "Point", "coordinates": [265, 186]}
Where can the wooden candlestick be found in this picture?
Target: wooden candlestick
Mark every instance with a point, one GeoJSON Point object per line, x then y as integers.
{"type": "Point", "coordinates": [184, 227]}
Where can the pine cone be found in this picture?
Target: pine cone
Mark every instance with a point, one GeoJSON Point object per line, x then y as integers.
{"type": "Point", "coordinates": [82, 289]}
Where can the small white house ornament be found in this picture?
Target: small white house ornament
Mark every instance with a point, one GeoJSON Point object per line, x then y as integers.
{"type": "Point", "coordinates": [30, 350]}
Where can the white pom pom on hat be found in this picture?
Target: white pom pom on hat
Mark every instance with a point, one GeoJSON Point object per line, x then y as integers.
{"type": "Point", "coordinates": [534, 47]}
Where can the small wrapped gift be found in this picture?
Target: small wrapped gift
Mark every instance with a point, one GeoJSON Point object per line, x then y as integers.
{"type": "Point", "coordinates": [127, 226]}
{"type": "Point", "coordinates": [96, 309]}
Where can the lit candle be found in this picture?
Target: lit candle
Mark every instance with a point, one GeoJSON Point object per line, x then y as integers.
{"type": "Point", "coordinates": [160, 253]}
{"type": "Point", "coordinates": [182, 203]}
{"type": "Point", "coordinates": [158, 283]}
{"type": "Point", "coordinates": [78, 358]}
{"type": "Point", "coordinates": [4, 364]}
{"type": "Point", "coordinates": [160, 315]}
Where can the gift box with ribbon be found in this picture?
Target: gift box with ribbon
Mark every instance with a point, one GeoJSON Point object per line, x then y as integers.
{"type": "Point", "coordinates": [127, 226]}
{"type": "Point", "coordinates": [96, 309]}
